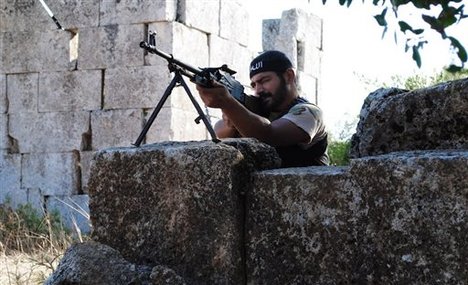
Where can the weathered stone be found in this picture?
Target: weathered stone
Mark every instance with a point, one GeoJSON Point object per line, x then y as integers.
{"type": "Point", "coordinates": [32, 132]}
{"type": "Point", "coordinates": [36, 200]}
{"type": "Point", "coordinates": [425, 119]}
{"type": "Point", "coordinates": [115, 127]}
{"type": "Point", "coordinates": [92, 263]}
{"type": "Point", "coordinates": [180, 204]}
{"type": "Point", "coordinates": [85, 167]}
{"type": "Point", "coordinates": [70, 91]}
{"type": "Point", "coordinates": [303, 223]}
{"type": "Point", "coordinates": [73, 210]}
{"type": "Point", "coordinates": [204, 19]}
{"type": "Point", "coordinates": [3, 98]}
{"type": "Point", "coordinates": [163, 275]}
{"type": "Point", "coordinates": [173, 124]}
{"type": "Point", "coordinates": [10, 175]}
{"type": "Point", "coordinates": [416, 205]}
{"type": "Point", "coordinates": [270, 30]}
{"type": "Point", "coordinates": [134, 12]}
{"type": "Point", "coordinates": [110, 46]}
{"type": "Point", "coordinates": [29, 14]}
{"type": "Point", "coordinates": [140, 87]}
{"type": "Point", "coordinates": [22, 92]}
{"type": "Point", "coordinates": [307, 87]}
{"type": "Point", "coordinates": [238, 58]}
{"type": "Point", "coordinates": [4, 141]}
{"type": "Point", "coordinates": [53, 173]}
{"type": "Point", "coordinates": [234, 22]}
{"type": "Point", "coordinates": [50, 52]}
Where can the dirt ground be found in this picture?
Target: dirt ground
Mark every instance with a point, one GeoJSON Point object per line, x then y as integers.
{"type": "Point", "coordinates": [23, 269]}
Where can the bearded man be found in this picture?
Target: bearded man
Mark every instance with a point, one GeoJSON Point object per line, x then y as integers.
{"type": "Point", "coordinates": [293, 126]}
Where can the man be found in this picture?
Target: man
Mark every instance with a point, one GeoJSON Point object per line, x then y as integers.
{"type": "Point", "coordinates": [294, 126]}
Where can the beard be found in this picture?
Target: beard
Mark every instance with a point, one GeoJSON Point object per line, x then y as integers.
{"type": "Point", "coordinates": [271, 102]}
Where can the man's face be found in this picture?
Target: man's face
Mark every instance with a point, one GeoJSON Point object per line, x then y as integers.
{"type": "Point", "coordinates": [271, 89]}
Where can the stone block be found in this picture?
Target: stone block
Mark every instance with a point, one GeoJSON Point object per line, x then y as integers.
{"type": "Point", "coordinates": [416, 203]}
{"type": "Point", "coordinates": [115, 127]}
{"type": "Point", "coordinates": [86, 158]}
{"type": "Point", "coordinates": [3, 98]}
{"type": "Point", "coordinates": [177, 205]}
{"type": "Point", "coordinates": [49, 132]}
{"type": "Point", "coordinates": [70, 91]}
{"type": "Point", "coordinates": [303, 26]}
{"type": "Point", "coordinates": [135, 87]}
{"type": "Point", "coordinates": [53, 173]}
{"type": "Point", "coordinates": [234, 22]}
{"type": "Point", "coordinates": [206, 18]}
{"type": "Point", "coordinates": [234, 55]}
{"type": "Point", "coordinates": [309, 60]}
{"type": "Point", "coordinates": [50, 52]}
{"type": "Point", "coordinates": [74, 211]}
{"type": "Point", "coordinates": [10, 176]}
{"type": "Point", "coordinates": [307, 86]}
{"type": "Point", "coordinates": [270, 33]}
{"type": "Point", "coordinates": [22, 92]}
{"type": "Point", "coordinates": [36, 200]}
{"type": "Point", "coordinates": [27, 15]}
{"type": "Point", "coordinates": [135, 12]}
{"type": "Point", "coordinates": [4, 141]}
{"type": "Point", "coordinates": [110, 46]}
{"type": "Point", "coordinates": [173, 124]}
{"type": "Point", "coordinates": [397, 120]}
{"type": "Point", "coordinates": [303, 222]}
{"type": "Point", "coordinates": [187, 45]}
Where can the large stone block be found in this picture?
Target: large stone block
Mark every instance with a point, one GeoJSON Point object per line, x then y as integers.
{"type": "Point", "coordinates": [49, 132]}
{"type": "Point", "coordinates": [53, 173]}
{"type": "Point", "coordinates": [417, 205]}
{"type": "Point", "coordinates": [22, 92]}
{"type": "Point", "coordinates": [70, 91]}
{"type": "Point", "coordinates": [85, 165]}
{"type": "Point", "coordinates": [134, 12]}
{"type": "Point", "coordinates": [234, 22]}
{"type": "Point", "coordinates": [10, 175]}
{"type": "Point", "coordinates": [50, 52]}
{"type": "Point", "coordinates": [4, 141]}
{"type": "Point", "coordinates": [115, 127]}
{"type": "Point", "coordinates": [3, 98]}
{"type": "Point", "coordinates": [185, 44]}
{"type": "Point", "coordinates": [110, 46]}
{"type": "Point", "coordinates": [27, 15]}
{"type": "Point", "coordinates": [307, 86]}
{"type": "Point", "coordinates": [302, 227]}
{"type": "Point", "coordinates": [135, 87]}
{"type": "Point", "coordinates": [234, 55]}
{"type": "Point", "coordinates": [179, 203]}
{"type": "Point", "coordinates": [173, 124]}
{"type": "Point", "coordinates": [395, 120]}
{"type": "Point", "coordinates": [206, 19]}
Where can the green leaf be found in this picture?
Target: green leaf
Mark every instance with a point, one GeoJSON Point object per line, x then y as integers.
{"type": "Point", "coordinates": [461, 52]}
{"type": "Point", "coordinates": [454, 68]}
{"type": "Point", "coordinates": [404, 26]}
{"type": "Point", "coordinates": [381, 18]}
{"type": "Point", "coordinates": [417, 56]}
{"type": "Point", "coordinates": [342, 2]}
{"type": "Point", "coordinates": [434, 23]}
{"type": "Point", "coordinates": [447, 17]}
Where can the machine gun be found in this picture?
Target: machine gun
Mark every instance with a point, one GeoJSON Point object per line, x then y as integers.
{"type": "Point", "coordinates": [202, 76]}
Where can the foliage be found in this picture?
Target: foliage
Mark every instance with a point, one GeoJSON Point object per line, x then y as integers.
{"type": "Point", "coordinates": [448, 13]}
{"type": "Point", "coordinates": [419, 81]}
{"type": "Point", "coordinates": [338, 151]}
{"type": "Point", "coordinates": [31, 243]}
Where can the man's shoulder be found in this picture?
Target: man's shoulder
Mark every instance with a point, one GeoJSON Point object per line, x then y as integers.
{"type": "Point", "coordinates": [305, 108]}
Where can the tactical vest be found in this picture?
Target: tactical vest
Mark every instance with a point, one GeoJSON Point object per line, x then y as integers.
{"type": "Point", "coordinates": [295, 156]}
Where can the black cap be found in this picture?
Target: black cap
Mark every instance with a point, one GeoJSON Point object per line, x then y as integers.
{"type": "Point", "coordinates": [271, 60]}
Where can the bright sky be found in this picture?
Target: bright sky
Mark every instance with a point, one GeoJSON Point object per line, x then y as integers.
{"type": "Point", "coordinates": [353, 47]}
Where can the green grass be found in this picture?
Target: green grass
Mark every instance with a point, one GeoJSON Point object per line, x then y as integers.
{"type": "Point", "coordinates": [338, 151]}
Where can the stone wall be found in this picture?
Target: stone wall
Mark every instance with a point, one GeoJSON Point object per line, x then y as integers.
{"type": "Point", "coordinates": [66, 94]}
{"type": "Point", "coordinates": [223, 214]}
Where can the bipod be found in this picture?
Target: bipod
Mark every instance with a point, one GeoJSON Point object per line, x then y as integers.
{"type": "Point", "coordinates": [177, 81]}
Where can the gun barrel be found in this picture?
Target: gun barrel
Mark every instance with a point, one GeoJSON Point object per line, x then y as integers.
{"type": "Point", "coordinates": [169, 58]}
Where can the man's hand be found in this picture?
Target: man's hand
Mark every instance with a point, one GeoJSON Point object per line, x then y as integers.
{"type": "Point", "coordinates": [216, 96]}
